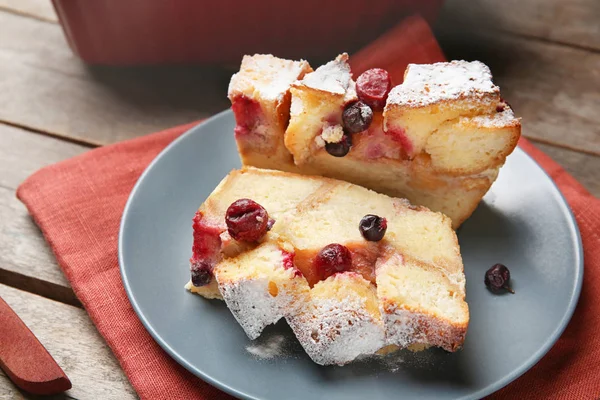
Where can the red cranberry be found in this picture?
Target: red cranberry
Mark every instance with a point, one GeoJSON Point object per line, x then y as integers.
{"type": "Point", "coordinates": [201, 274]}
{"type": "Point", "coordinates": [373, 87]}
{"type": "Point", "coordinates": [497, 277]}
{"type": "Point", "coordinates": [341, 148]}
{"type": "Point", "coordinates": [372, 227]}
{"type": "Point", "coordinates": [357, 117]}
{"type": "Point", "coordinates": [246, 220]}
{"type": "Point", "coordinates": [332, 259]}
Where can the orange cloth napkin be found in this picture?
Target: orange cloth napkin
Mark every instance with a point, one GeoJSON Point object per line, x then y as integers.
{"type": "Point", "coordinates": [78, 203]}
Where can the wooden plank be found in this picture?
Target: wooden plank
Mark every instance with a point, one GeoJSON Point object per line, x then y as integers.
{"type": "Point", "coordinates": [26, 261]}
{"type": "Point", "coordinates": [69, 335]}
{"type": "Point", "coordinates": [555, 89]}
{"type": "Point", "coordinates": [38, 9]}
{"type": "Point", "coordinates": [573, 22]}
{"type": "Point", "coordinates": [45, 87]}
{"type": "Point", "coordinates": [22, 153]}
{"type": "Point", "coordinates": [585, 168]}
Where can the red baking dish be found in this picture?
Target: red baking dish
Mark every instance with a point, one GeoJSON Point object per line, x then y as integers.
{"type": "Point", "coordinates": [115, 32]}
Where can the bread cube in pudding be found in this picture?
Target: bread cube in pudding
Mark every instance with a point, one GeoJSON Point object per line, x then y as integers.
{"type": "Point", "coordinates": [260, 99]}
{"type": "Point", "coordinates": [341, 320]}
{"type": "Point", "coordinates": [270, 279]}
{"type": "Point", "coordinates": [316, 108]}
{"type": "Point", "coordinates": [472, 145]}
{"type": "Point", "coordinates": [434, 93]}
{"type": "Point", "coordinates": [260, 286]}
{"type": "Point", "coordinates": [421, 305]}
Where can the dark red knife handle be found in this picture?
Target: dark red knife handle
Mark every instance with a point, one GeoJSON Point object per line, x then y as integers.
{"type": "Point", "coordinates": [25, 360]}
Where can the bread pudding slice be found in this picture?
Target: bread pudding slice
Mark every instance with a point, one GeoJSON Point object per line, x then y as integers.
{"type": "Point", "coordinates": [287, 273]}
{"type": "Point", "coordinates": [438, 139]}
{"type": "Point", "coordinates": [260, 99]}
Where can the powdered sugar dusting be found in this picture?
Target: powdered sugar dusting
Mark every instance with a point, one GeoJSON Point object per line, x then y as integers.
{"type": "Point", "coordinates": [497, 120]}
{"type": "Point", "coordinates": [252, 305]}
{"type": "Point", "coordinates": [393, 361]}
{"type": "Point", "coordinates": [297, 106]}
{"type": "Point", "coordinates": [365, 114]}
{"type": "Point", "coordinates": [334, 331]}
{"type": "Point", "coordinates": [270, 76]}
{"type": "Point", "coordinates": [333, 134]}
{"type": "Point", "coordinates": [250, 298]}
{"type": "Point", "coordinates": [319, 142]}
{"type": "Point", "coordinates": [401, 328]}
{"type": "Point", "coordinates": [351, 92]}
{"type": "Point", "coordinates": [334, 77]}
{"type": "Point", "coordinates": [405, 328]}
{"type": "Point", "coordinates": [426, 84]}
{"type": "Point", "coordinates": [269, 348]}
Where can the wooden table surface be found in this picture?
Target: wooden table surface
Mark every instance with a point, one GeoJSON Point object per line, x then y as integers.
{"type": "Point", "coordinates": [545, 55]}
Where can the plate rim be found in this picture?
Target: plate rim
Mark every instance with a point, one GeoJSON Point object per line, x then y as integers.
{"type": "Point", "coordinates": [516, 373]}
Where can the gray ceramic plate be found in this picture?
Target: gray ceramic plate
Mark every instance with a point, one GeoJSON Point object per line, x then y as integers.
{"type": "Point", "coordinates": [523, 222]}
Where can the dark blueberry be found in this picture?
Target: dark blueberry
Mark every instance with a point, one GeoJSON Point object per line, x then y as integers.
{"type": "Point", "coordinates": [373, 87]}
{"type": "Point", "coordinates": [341, 148]}
{"type": "Point", "coordinates": [246, 220]}
{"type": "Point", "coordinates": [331, 259]}
{"type": "Point", "coordinates": [201, 274]}
{"type": "Point", "coordinates": [372, 227]}
{"type": "Point", "coordinates": [357, 117]}
{"type": "Point", "coordinates": [497, 278]}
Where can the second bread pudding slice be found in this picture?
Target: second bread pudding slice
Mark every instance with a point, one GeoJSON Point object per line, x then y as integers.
{"type": "Point", "coordinates": [438, 139]}
{"type": "Point", "coordinates": [344, 291]}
